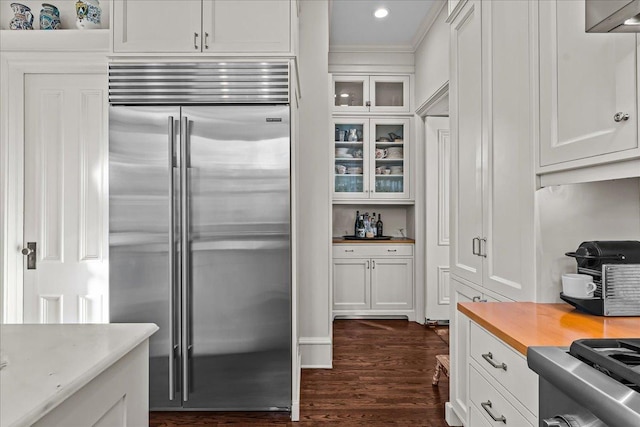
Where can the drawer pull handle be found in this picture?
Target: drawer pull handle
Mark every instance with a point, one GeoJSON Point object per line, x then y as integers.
{"type": "Point", "coordinates": [489, 358]}
{"type": "Point", "coordinates": [392, 250]}
{"type": "Point", "coordinates": [478, 299]}
{"type": "Point", "coordinates": [487, 406]}
{"type": "Point", "coordinates": [348, 250]}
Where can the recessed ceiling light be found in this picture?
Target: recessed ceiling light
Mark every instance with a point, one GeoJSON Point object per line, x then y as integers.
{"type": "Point", "coordinates": [381, 13]}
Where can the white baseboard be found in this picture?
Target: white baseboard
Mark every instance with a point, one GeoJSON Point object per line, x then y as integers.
{"type": "Point", "coordinates": [316, 352]}
{"type": "Point", "coordinates": [450, 416]}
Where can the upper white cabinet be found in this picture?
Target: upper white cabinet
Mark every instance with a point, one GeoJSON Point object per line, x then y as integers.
{"type": "Point", "coordinates": [371, 158]}
{"type": "Point", "coordinates": [588, 91]}
{"type": "Point", "coordinates": [492, 127]}
{"type": "Point", "coordinates": [207, 26]}
{"type": "Point", "coordinates": [371, 94]}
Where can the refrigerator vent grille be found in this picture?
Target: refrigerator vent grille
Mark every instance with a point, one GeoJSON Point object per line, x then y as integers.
{"type": "Point", "coordinates": [199, 83]}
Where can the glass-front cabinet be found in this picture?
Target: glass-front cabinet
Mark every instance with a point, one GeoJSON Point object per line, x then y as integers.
{"type": "Point", "coordinates": [371, 158]}
{"type": "Point", "coordinates": [371, 94]}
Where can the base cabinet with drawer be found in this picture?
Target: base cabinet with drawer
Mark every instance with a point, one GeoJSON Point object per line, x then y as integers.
{"type": "Point", "coordinates": [498, 374]}
{"type": "Point", "coordinates": [372, 280]}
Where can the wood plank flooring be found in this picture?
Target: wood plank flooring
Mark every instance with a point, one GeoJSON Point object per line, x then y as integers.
{"type": "Point", "coordinates": [381, 376]}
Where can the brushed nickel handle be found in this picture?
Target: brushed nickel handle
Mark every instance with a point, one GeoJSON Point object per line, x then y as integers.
{"type": "Point", "coordinates": [483, 245]}
{"type": "Point", "coordinates": [618, 117]}
{"type": "Point", "coordinates": [367, 265]}
{"type": "Point", "coordinates": [348, 250]}
{"type": "Point", "coordinates": [195, 41]}
{"type": "Point", "coordinates": [392, 250]}
{"type": "Point", "coordinates": [489, 358]}
{"type": "Point", "coordinates": [473, 246]}
{"type": "Point", "coordinates": [373, 263]}
{"type": "Point", "coordinates": [487, 407]}
{"type": "Point", "coordinates": [206, 40]}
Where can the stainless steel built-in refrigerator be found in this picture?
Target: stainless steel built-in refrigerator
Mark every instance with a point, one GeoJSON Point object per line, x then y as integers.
{"type": "Point", "coordinates": [199, 218]}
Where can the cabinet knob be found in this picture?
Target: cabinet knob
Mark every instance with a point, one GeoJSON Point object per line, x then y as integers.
{"type": "Point", "coordinates": [618, 117]}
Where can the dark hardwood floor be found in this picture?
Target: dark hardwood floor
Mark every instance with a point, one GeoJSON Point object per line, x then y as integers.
{"type": "Point", "coordinates": [381, 376]}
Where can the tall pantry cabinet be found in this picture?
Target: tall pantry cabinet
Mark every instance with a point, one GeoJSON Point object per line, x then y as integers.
{"type": "Point", "coordinates": [493, 124]}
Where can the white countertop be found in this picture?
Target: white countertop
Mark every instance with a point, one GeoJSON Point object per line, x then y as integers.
{"type": "Point", "coordinates": [48, 363]}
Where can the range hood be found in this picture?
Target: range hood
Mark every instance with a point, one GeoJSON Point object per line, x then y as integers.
{"type": "Point", "coordinates": [612, 16]}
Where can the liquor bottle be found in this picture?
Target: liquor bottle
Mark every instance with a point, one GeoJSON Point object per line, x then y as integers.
{"type": "Point", "coordinates": [355, 224]}
{"type": "Point", "coordinates": [360, 227]}
{"type": "Point", "coordinates": [379, 226]}
{"type": "Point", "coordinates": [374, 224]}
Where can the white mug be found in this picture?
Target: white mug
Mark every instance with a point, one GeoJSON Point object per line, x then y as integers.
{"type": "Point", "coordinates": [578, 285]}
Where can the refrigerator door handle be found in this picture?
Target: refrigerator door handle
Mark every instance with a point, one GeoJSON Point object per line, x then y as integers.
{"type": "Point", "coordinates": [184, 200]}
{"type": "Point", "coordinates": [172, 245]}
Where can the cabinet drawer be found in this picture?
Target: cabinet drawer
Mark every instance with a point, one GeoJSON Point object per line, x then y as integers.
{"type": "Point", "coordinates": [488, 401]}
{"type": "Point", "coordinates": [371, 251]}
{"type": "Point", "coordinates": [517, 378]}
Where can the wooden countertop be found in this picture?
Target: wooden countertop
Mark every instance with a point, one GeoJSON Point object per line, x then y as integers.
{"type": "Point", "coordinates": [393, 241]}
{"type": "Point", "coordinates": [526, 324]}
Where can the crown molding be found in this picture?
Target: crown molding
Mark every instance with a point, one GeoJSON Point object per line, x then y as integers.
{"type": "Point", "coordinates": [427, 23]}
{"type": "Point", "coordinates": [430, 106]}
{"type": "Point", "coordinates": [371, 48]}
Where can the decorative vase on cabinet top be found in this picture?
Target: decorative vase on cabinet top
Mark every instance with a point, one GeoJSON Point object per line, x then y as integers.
{"type": "Point", "coordinates": [49, 17]}
{"type": "Point", "coordinates": [88, 14]}
{"type": "Point", "coordinates": [23, 18]}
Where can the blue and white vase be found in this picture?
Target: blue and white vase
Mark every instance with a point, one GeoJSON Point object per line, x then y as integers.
{"type": "Point", "coordinates": [88, 13]}
{"type": "Point", "coordinates": [22, 19]}
{"type": "Point", "coordinates": [50, 17]}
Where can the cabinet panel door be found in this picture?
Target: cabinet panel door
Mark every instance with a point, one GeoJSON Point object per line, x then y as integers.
{"type": "Point", "coordinates": [351, 284]}
{"type": "Point", "coordinates": [350, 93]}
{"type": "Point", "coordinates": [466, 139]}
{"type": "Point", "coordinates": [509, 184]}
{"type": "Point", "coordinates": [391, 284]}
{"type": "Point", "coordinates": [389, 154]}
{"type": "Point", "coordinates": [459, 347]}
{"type": "Point", "coordinates": [351, 158]}
{"type": "Point", "coordinates": [164, 26]}
{"type": "Point", "coordinates": [585, 79]}
{"type": "Point", "coordinates": [246, 26]}
{"type": "Point", "coordinates": [390, 94]}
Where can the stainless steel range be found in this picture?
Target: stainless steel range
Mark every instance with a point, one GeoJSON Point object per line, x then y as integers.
{"type": "Point", "coordinates": [594, 383]}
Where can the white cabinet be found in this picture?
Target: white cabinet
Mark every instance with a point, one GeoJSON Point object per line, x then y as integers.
{"type": "Point", "coordinates": [371, 94]}
{"type": "Point", "coordinates": [371, 158]}
{"type": "Point", "coordinates": [373, 280]}
{"type": "Point", "coordinates": [459, 344]}
{"type": "Point", "coordinates": [588, 91]}
{"type": "Point", "coordinates": [492, 186]}
{"type": "Point", "coordinates": [501, 385]}
{"type": "Point", "coordinates": [207, 26]}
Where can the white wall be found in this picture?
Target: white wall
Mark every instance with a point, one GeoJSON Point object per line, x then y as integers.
{"type": "Point", "coordinates": [393, 218]}
{"type": "Point", "coordinates": [314, 201]}
{"type": "Point", "coordinates": [568, 215]}
{"type": "Point", "coordinates": [432, 59]}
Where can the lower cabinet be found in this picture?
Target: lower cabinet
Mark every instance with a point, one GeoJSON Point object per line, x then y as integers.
{"type": "Point", "coordinates": [501, 385]}
{"type": "Point", "coordinates": [373, 280]}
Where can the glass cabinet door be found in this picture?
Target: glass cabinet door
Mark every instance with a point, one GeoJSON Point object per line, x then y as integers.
{"type": "Point", "coordinates": [351, 93]}
{"type": "Point", "coordinates": [389, 158]}
{"type": "Point", "coordinates": [390, 94]}
{"type": "Point", "coordinates": [351, 158]}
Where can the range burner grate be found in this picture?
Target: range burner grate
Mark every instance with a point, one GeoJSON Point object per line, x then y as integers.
{"type": "Point", "coordinates": [619, 358]}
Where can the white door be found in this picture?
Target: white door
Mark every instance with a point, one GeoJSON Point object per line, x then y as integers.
{"type": "Point", "coordinates": [64, 200]}
{"type": "Point", "coordinates": [585, 80]}
{"type": "Point", "coordinates": [157, 26]}
{"type": "Point", "coordinates": [509, 179]}
{"type": "Point", "coordinates": [466, 143]}
{"type": "Point", "coordinates": [391, 284]}
{"type": "Point", "coordinates": [246, 26]}
{"type": "Point", "coordinates": [351, 284]}
{"type": "Point", "coordinates": [437, 175]}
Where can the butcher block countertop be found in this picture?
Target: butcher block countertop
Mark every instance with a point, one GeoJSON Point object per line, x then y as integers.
{"type": "Point", "coordinates": [393, 241]}
{"type": "Point", "coordinates": [527, 324]}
